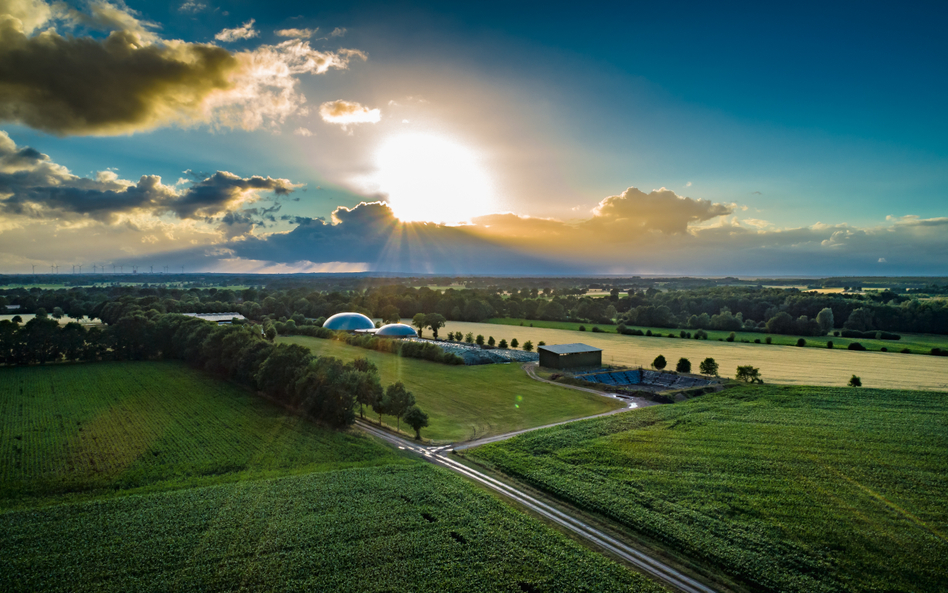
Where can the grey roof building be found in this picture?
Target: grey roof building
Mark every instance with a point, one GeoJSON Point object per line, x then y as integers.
{"type": "Point", "coordinates": [566, 356]}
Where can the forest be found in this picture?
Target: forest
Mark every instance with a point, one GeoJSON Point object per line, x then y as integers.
{"type": "Point", "coordinates": [733, 308]}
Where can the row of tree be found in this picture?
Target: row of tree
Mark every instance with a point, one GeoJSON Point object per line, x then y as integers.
{"type": "Point", "coordinates": [323, 388]}
{"type": "Point", "coordinates": [730, 308]}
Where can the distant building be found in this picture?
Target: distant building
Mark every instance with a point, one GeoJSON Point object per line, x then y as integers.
{"type": "Point", "coordinates": [569, 356]}
{"type": "Point", "coordinates": [12, 307]}
{"type": "Point", "coordinates": [219, 318]}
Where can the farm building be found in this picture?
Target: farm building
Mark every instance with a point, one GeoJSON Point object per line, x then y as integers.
{"type": "Point", "coordinates": [566, 356]}
{"type": "Point", "coordinates": [218, 318]}
{"type": "Point", "coordinates": [396, 330]}
{"type": "Point", "coordinates": [349, 322]}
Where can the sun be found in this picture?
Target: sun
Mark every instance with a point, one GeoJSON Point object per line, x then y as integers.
{"type": "Point", "coordinates": [433, 179]}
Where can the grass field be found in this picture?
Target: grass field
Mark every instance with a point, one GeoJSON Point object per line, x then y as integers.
{"type": "Point", "coordinates": [786, 488]}
{"type": "Point", "coordinates": [779, 364]}
{"type": "Point", "coordinates": [409, 528]}
{"type": "Point", "coordinates": [89, 429]}
{"type": "Point", "coordinates": [916, 343]}
{"type": "Point", "coordinates": [468, 402]}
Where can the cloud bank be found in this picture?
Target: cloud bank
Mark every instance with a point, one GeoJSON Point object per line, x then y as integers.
{"type": "Point", "coordinates": [33, 186]}
{"type": "Point", "coordinates": [133, 81]}
{"type": "Point", "coordinates": [226, 221]}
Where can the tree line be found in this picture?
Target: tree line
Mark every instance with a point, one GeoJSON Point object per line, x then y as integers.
{"type": "Point", "coordinates": [729, 308]}
{"type": "Point", "coordinates": [321, 387]}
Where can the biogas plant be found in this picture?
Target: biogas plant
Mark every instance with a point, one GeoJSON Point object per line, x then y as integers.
{"type": "Point", "coordinates": [359, 323]}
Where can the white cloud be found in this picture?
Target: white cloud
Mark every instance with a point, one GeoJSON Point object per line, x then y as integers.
{"type": "Point", "coordinates": [264, 88]}
{"type": "Point", "coordinates": [191, 6]}
{"type": "Point", "coordinates": [346, 113]}
{"type": "Point", "coordinates": [688, 184]}
{"type": "Point", "coordinates": [297, 33]}
{"type": "Point", "coordinates": [338, 32]}
{"type": "Point", "coordinates": [245, 31]}
{"type": "Point", "coordinates": [302, 132]}
{"type": "Point", "coordinates": [881, 260]}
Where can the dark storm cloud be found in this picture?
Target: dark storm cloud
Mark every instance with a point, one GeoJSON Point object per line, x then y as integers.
{"type": "Point", "coordinates": [133, 80]}
{"type": "Point", "coordinates": [32, 185]}
{"type": "Point", "coordinates": [370, 234]}
{"type": "Point", "coordinates": [84, 86]}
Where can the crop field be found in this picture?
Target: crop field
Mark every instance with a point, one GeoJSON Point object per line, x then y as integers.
{"type": "Point", "coordinates": [407, 528]}
{"type": "Point", "coordinates": [778, 364]}
{"type": "Point", "coordinates": [916, 343]}
{"type": "Point", "coordinates": [470, 402]}
{"type": "Point", "coordinates": [786, 488]}
{"type": "Point", "coordinates": [89, 429]}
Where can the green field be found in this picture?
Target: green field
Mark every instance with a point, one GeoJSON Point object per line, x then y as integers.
{"type": "Point", "coordinates": [409, 528]}
{"type": "Point", "coordinates": [89, 429]}
{"type": "Point", "coordinates": [778, 364]}
{"type": "Point", "coordinates": [916, 343]}
{"type": "Point", "coordinates": [469, 402]}
{"type": "Point", "coordinates": [784, 488]}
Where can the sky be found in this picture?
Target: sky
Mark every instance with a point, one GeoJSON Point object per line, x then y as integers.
{"type": "Point", "coordinates": [804, 139]}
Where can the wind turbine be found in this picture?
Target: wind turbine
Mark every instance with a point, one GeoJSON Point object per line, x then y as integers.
{"type": "Point", "coordinates": [93, 268]}
{"type": "Point", "coordinates": [80, 268]}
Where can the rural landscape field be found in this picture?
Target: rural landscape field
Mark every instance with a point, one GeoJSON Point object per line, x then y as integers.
{"type": "Point", "coordinates": [784, 488]}
{"type": "Point", "coordinates": [462, 297]}
{"type": "Point", "coordinates": [168, 478]}
{"type": "Point", "coordinates": [780, 364]}
{"type": "Point", "coordinates": [467, 403]}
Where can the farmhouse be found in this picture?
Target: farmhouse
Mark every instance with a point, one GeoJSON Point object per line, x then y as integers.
{"type": "Point", "coordinates": [565, 356]}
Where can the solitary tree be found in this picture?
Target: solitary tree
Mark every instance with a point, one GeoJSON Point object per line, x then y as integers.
{"type": "Point", "coordinates": [709, 367]}
{"type": "Point", "coordinates": [659, 362]}
{"type": "Point", "coordinates": [398, 400]}
{"type": "Point", "coordinates": [479, 340]}
{"type": "Point", "coordinates": [528, 346]}
{"type": "Point", "coordinates": [435, 321]}
{"type": "Point", "coordinates": [469, 338]}
{"type": "Point", "coordinates": [683, 366]}
{"type": "Point", "coordinates": [541, 343]}
{"type": "Point", "coordinates": [855, 381]}
{"type": "Point", "coordinates": [367, 387]}
{"type": "Point", "coordinates": [825, 319]}
{"type": "Point", "coordinates": [389, 314]}
{"type": "Point", "coordinates": [491, 341]}
{"type": "Point", "coordinates": [502, 343]}
{"type": "Point", "coordinates": [417, 419]}
{"type": "Point", "coordinates": [514, 343]}
{"type": "Point", "coordinates": [748, 374]}
{"type": "Point", "coordinates": [419, 321]}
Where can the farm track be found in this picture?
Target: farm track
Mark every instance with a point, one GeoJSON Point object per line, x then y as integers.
{"type": "Point", "coordinates": [569, 522]}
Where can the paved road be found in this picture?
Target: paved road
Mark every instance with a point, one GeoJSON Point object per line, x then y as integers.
{"type": "Point", "coordinates": [642, 561]}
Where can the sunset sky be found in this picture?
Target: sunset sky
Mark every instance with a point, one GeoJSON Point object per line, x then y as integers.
{"type": "Point", "coordinates": [482, 138]}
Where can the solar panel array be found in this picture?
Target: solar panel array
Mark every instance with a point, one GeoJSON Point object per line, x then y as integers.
{"type": "Point", "coordinates": [614, 378]}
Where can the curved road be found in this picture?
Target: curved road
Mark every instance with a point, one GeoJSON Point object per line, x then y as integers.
{"type": "Point", "coordinates": [640, 560]}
